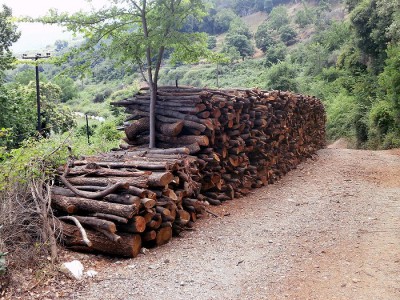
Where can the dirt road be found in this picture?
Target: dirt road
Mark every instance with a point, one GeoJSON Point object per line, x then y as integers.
{"type": "Point", "coordinates": [328, 230]}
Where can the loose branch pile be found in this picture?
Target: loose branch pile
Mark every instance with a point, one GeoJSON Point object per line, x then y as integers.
{"type": "Point", "coordinates": [219, 144]}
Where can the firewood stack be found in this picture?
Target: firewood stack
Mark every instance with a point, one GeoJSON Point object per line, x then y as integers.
{"type": "Point", "coordinates": [218, 144]}
{"type": "Point", "coordinates": [125, 200]}
{"type": "Point", "coordinates": [243, 139]}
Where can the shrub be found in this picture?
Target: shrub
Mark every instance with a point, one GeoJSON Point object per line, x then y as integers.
{"type": "Point", "coordinates": [275, 54]}
{"type": "Point", "coordinates": [287, 35]}
{"type": "Point", "coordinates": [282, 77]}
{"type": "Point", "coordinates": [381, 117]}
{"type": "Point", "coordinates": [341, 117]}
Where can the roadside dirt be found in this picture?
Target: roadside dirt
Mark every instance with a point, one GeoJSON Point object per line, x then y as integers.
{"type": "Point", "coordinates": [327, 230]}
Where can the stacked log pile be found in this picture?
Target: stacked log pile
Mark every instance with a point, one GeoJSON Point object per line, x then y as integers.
{"type": "Point", "coordinates": [218, 144]}
{"type": "Point", "coordinates": [243, 138]}
{"type": "Point", "coordinates": [118, 202]}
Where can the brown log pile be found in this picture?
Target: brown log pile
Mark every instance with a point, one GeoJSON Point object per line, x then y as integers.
{"type": "Point", "coordinates": [243, 139]}
{"type": "Point", "coordinates": [213, 145]}
{"type": "Point", "coordinates": [118, 202]}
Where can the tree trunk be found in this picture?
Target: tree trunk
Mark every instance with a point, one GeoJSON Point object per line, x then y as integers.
{"type": "Point", "coordinates": [153, 100]}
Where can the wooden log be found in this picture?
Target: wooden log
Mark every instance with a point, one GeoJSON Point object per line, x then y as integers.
{"type": "Point", "coordinates": [111, 236]}
{"type": "Point", "coordinates": [202, 140]}
{"type": "Point", "coordinates": [150, 152]}
{"type": "Point", "coordinates": [155, 222]}
{"type": "Point", "coordinates": [128, 246]}
{"type": "Point", "coordinates": [186, 123]}
{"type": "Point", "coordinates": [158, 179]}
{"type": "Point", "coordinates": [110, 217]}
{"type": "Point", "coordinates": [133, 190]}
{"type": "Point", "coordinates": [170, 129]}
{"type": "Point", "coordinates": [97, 223]}
{"type": "Point", "coordinates": [136, 127]}
{"type": "Point", "coordinates": [126, 199]}
{"type": "Point", "coordinates": [149, 236]}
{"type": "Point", "coordinates": [141, 182]}
{"type": "Point", "coordinates": [148, 203]}
{"type": "Point", "coordinates": [135, 225]}
{"type": "Point", "coordinates": [141, 164]}
{"type": "Point", "coordinates": [77, 171]}
{"type": "Point", "coordinates": [164, 235]}
{"type": "Point", "coordinates": [183, 216]}
{"type": "Point", "coordinates": [74, 204]}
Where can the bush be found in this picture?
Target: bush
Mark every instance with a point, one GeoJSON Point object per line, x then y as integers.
{"type": "Point", "coordinates": [275, 54]}
{"type": "Point", "coordinates": [341, 117]}
{"type": "Point", "coordinates": [264, 37]}
{"type": "Point", "coordinates": [108, 131]}
{"type": "Point", "coordinates": [304, 17]}
{"type": "Point", "coordinates": [381, 117]}
{"type": "Point", "coordinates": [282, 77]}
{"type": "Point", "coordinates": [25, 176]}
{"type": "Point", "coordinates": [211, 42]}
{"type": "Point", "coordinates": [287, 35]}
{"type": "Point", "coordinates": [278, 17]}
{"type": "Point", "coordinates": [391, 140]}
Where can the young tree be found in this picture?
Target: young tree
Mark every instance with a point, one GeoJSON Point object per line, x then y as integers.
{"type": "Point", "coordinates": [8, 36]}
{"type": "Point", "coordinates": [139, 32]}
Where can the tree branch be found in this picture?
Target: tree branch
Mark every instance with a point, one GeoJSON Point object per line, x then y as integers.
{"type": "Point", "coordinates": [90, 195]}
{"type": "Point", "coordinates": [80, 227]}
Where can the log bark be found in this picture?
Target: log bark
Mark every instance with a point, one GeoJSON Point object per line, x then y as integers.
{"type": "Point", "coordinates": [73, 204]}
{"type": "Point", "coordinates": [106, 181]}
{"type": "Point", "coordinates": [137, 127]}
{"type": "Point", "coordinates": [128, 246]}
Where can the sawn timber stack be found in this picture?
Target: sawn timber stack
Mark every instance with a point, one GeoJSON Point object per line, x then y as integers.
{"type": "Point", "coordinates": [214, 145]}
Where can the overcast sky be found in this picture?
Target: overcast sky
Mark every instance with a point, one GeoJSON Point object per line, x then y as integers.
{"type": "Point", "coordinates": [38, 36]}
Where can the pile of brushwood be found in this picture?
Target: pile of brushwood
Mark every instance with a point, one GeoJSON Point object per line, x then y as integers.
{"type": "Point", "coordinates": [213, 145]}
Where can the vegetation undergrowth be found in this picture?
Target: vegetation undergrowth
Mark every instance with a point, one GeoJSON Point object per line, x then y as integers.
{"type": "Point", "coordinates": [26, 174]}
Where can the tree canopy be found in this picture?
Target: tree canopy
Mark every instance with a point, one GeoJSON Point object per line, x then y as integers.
{"type": "Point", "coordinates": [8, 36]}
{"type": "Point", "coordinates": [139, 32]}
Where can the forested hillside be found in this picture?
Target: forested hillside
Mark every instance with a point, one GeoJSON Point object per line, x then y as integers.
{"type": "Point", "coordinates": [346, 53]}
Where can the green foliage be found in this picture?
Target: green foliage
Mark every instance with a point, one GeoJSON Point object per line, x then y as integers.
{"type": "Point", "coordinates": [278, 18]}
{"type": "Point", "coordinates": [69, 90]}
{"type": "Point", "coordinates": [312, 56]}
{"type": "Point", "coordinates": [288, 35]}
{"type": "Point", "coordinates": [240, 43]}
{"type": "Point", "coordinates": [211, 42]}
{"type": "Point", "coordinates": [371, 27]}
{"type": "Point", "coordinates": [341, 117]}
{"type": "Point", "coordinates": [389, 79]}
{"type": "Point", "coordinates": [335, 36]}
{"type": "Point", "coordinates": [223, 20]}
{"type": "Point", "coordinates": [18, 104]}
{"type": "Point", "coordinates": [282, 77]}
{"type": "Point", "coordinates": [8, 36]}
{"type": "Point", "coordinates": [304, 17]}
{"type": "Point", "coordinates": [264, 37]}
{"type": "Point", "coordinates": [107, 131]}
{"type": "Point", "coordinates": [381, 116]}
{"type": "Point", "coordinates": [238, 27]}
{"type": "Point", "coordinates": [275, 54]}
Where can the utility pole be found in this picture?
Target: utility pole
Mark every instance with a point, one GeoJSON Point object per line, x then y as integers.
{"type": "Point", "coordinates": [36, 58]}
